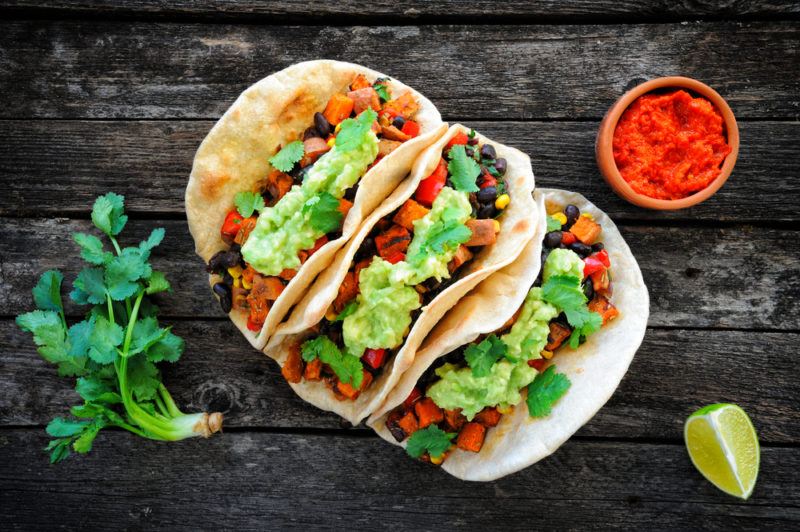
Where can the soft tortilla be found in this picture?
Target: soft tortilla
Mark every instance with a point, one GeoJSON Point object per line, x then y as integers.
{"type": "Point", "coordinates": [234, 157]}
{"type": "Point", "coordinates": [517, 227]}
{"type": "Point", "coordinates": [595, 368]}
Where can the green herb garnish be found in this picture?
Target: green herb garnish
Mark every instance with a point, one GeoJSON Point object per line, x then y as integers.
{"type": "Point", "coordinates": [481, 357]}
{"type": "Point", "coordinates": [347, 367]}
{"type": "Point", "coordinates": [353, 130]}
{"type": "Point", "coordinates": [248, 202]}
{"type": "Point", "coordinates": [285, 159]}
{"type": "Point", "coordinates": [547, 388]}
{"type": "Point", "coordinates": [431, 440]}
{"type": "Point", "coordinates": [463, 170]}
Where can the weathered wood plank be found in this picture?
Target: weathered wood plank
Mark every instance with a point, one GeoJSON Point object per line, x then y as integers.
{"type": "Point", "coordinates": [674, 373]}
{"type": "Point", "coordinates": [132, 70]}
{"type": "Point", "coordinates": [250, 480]}
{"type": "Point", "coordinates": [740, 277]}
{"type": "Point", "coordinates": [58, 168]}
{"type": "Point", "coordinates": [303, 11]}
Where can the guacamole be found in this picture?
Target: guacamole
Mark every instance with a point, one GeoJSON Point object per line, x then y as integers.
{"type": "Point", "coordinates": [562, 262]}
{"type": "Point", "coordinates": [387, 295]}
{"type": "Point", "coordinates": [459, 388]}
{"type": "Point", "coordinates": [528, 335]}
{"type": "Point", "coordinates": [282, 231]}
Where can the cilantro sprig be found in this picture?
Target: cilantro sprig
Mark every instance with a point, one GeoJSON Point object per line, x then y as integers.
{"type": "Point", "coordinates": [431, 440]}
{"type": "Point", "coordinates": [113, 352]}
{"type": "Point", "coordinates": [323, 212]}
{"type": "Point", "coordinates": [347, 367]}
{"type": "Point", "coordinates": [482, 356]}
{"type": "Point", "coordinates": [289, 155]}
{"type": "Point", "coordinates": [547, 388]}
{"type": "Point", "coordinates": [382, 89]}
{"type": "Point", "coordinates": [248, 202]}
{"type": "Point", "coordinates": [463, 169]}
{"type": "Point", "coordinates": [353, 130]}
{"type": "Point", "coordinates": [564, 291]}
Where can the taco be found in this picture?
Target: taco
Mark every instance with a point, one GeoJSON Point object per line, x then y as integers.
{"type": "Point", "coordinates": [465, 211]}
{"type": "Point", "coordinates": [529, 356]}
{"type": "Point", "coordinates": [287, 175]}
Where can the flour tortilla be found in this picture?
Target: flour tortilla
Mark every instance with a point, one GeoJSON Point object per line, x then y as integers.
{"type": "Point", "coordinates": [273, 112]}
{"type": "Point", "coordinates": [517, 227]}
{"type": "Point", "coordinates": [595, 368]}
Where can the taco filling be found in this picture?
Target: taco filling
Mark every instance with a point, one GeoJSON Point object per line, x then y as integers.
{"type": "Point", "coordinates": [466, 392]}
{"type": "Point", "coordinates": [410, 256]}
{"type": "Point", "coordinates": [302, 203]}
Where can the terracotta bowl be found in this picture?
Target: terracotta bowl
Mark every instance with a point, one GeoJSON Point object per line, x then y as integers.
{"type": "Point", "coordinates": [605, 155]}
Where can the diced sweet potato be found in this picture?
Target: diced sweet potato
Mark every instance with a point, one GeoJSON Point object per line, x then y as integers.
{"type": "Point", "coordinates": [349, 391]}
{"type": "Point", "coordinates": [360, 82]}
{"type": "Point", "coordinates": [471, 437]}
{"type": "Point", "coordinates": [345, 206]}
{"type": "Point", "coordinates": [395, 240]}
{"type": "Point", "coordinates": [386, 146]}
{"type": "Point", "coordinates": [603, 306]}
{"type": "Point", "coordinates": [364, 98]}
{"type": "Point", "coordinates": [586, 230]}
{"type": "Point", "coordinates": [339, 107]}
{"type": "Point", "coordinates": [454, 419]}
{"type": "Point", "coordinates": [245, 228]}
{"type": "Point", "coordinates": [428, 413]}
{"type": "Point", "coordinates": [463, 254]}
{"type": "Point", "coordinates": [393, 424]}
{"type": "Point", "coordinates": [601, 281]}
{"type": "Point", "coordinates": [408, 423]}
{"type": "Point", "coordinates": [266, 287]}
{"type": "Point", "coordinates": [405, 105]}
{"type": "Point", "coordinates": [488, 417]}
{"type": "Point", "coordinates": [558, 333]}
{"type": "Point", "coordinates": [239, 298]}
{"type": "Point", "coordinates": [259, 308]}
{"type": "Point", "coordinates": [347, 291]}
{"type": "Point", "coordinates": [360, 266]}
{"type": "Point", "coordinates": [313, 148]}
{"type": "Point", "coordinates": [292, 369]}
{"type": "Point", "coordinates": [278, 184]}
{"type": "Point", "coordinates": [247, 276]}
{"type": "Point", "coordinates": [482, 232]}
{"type": "Point", "coordinates": [313, 370]}
{"type": "Point", "coordinates": [392, 133]}
{"type": "Point", "coordinates": [287, 274]}
{"type": "Point", "coordinates": [410, 211]}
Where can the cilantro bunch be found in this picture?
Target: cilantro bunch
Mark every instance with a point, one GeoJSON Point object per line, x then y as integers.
{"type": "Point", "coordinates": [113, 352]}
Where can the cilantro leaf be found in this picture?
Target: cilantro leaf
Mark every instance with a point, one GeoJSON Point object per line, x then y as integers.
{"type": "Point", "coordinates": [143, 378]}
{"type": "Point", "coordinates": [348, 309]}
{"type": "Point", "coordinates": [382, 89]}
{"type": "Point", "coordinates": [88, 287]}
{"type": "Point", "coordinates": [481, 357]}
{"type": "Point", "coordinates": [448, 238]}
{"type": "Point", "coordinates": [547, 388]}
{"type": "Point", "coordinates": [94, 389]}
{"type": "Point", "coordinates": [168, 348]}
{"type": "Point", "coordinates": [323, 213]}
{"type": "Point", "coordinates": [83, 443]}
{"type": "Point", "coordinates": [105, 337]}
{"type": "Point", "coordinates": [124, 270]}
{"type": "Point", "coordinates": [463, 170]}
{"type": "Point", "coordinates": [247, 202]}
{"type": "Point", "coordinates": [563, 291]}
{"type": "Point", "coordinates": [51, 338]}
{"type": "Point", "coordinates": [585, 322]}
{"type": "Point", "coordinates": [553, 224]}
{"type": "Point", "coordinates": [47, 292]}
{"type": "Point", "coordinates": [347, 367]}
{"type": "Point", "coordinates": [91, 249]}
{"type": "Point", "coordinates": [107, 213]}
{"type": "Point", "coordinates": [285, 159]}
{"type": "Point", "coordinates": [146, 333]}
{"type": "Point", "coordinates": [353, 130]}
{"type": "Point", "coordinates": [80, 337]}
{"type": "Point", "coordinates": [61, 427]}
{"type": "Point", "coordinates": [157, 282]}
{"type": "Point", "coordinates": [431, 439]}
{"type": "Point", "coordinates": [155, 238]}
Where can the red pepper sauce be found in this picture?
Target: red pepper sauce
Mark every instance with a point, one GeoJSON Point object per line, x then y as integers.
{"type": "Point", "coordinates": [669, 146]}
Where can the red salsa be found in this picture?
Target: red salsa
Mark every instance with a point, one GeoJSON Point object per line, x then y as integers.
{"type": "Point", "coordinates": [670, 146]}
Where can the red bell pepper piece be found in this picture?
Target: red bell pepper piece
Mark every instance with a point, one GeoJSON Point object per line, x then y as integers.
{"type": "Point", "coordinates": [568, 238]}
{"type": "Point", "coordinates": [374, 358]}
{"type": "Point", "coordinates": [538, 363]}
{"type": "Point", "coordinates": [592, 264]}
{"type": "Point", "coordinates": [429, 188]}
{"type": "Point", "coordinates": [253, 326]}
{"type": "Point", "coordinates": [395, 257]}
{"type": "Point", "coordinates": [410, 128]}
{"type": "Point", "coordinates": [488, 181]}
{"type": "Point", "coordinates": [412, 398]}
{"type": "Point", "coordinates": [321, 241]}
{"type": "Point", "coordinates": [602, 256]}
{"type": "Point", "coordinates": [459, 139]}
{"type": "Point", "coordinates": [231, 226]}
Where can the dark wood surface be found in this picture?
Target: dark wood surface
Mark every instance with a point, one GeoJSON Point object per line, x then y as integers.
{"type": "Point", "coordinates": [113, 95]}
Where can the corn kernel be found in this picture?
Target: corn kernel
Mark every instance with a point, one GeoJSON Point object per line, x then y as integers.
{"type": "Point", "coordinates": [338, 128]}
{"type": "Point", "coordinates": [496, 226]}
{"type": "Point", "coordinates": [237, 282]}
{"type": "Point", "coordinates": [505, 410]}
{"type": "Point", "coordinates": [235, 272]}
{"type": "Point", "coordinates": [546, 354]}
{"type": "Point", "coordinates": [437, 460]}
{"type": "Point", "coordinates": [246, 285]}
{"type": "Point", "coordinates": [330, 314]}
{"type": "Point", "coordinates": [502, 201]}
{"type": "Point", "coordinates": [331, 141]}
{"type": "Point", "coordinates": [588, 215]}
{"type": "Point", "coordinates": [561, 217]}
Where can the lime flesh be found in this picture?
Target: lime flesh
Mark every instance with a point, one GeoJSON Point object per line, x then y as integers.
{"type": "Point", "coordinates": [723, 446]}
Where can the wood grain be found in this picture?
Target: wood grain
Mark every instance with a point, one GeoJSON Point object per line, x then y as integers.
{"type": "Point", "coordinates": [312, 11]}
{"type": "Point", "coordinates": [256, 481]}
{"type": "Point", "coordinates": [674, 373]}
{"type": "Point", "coordinates": [143, 70]}
{"type": "Point", "coordinates": [740, 277]}
{"type": "Point", "coordinates": [59, 167]}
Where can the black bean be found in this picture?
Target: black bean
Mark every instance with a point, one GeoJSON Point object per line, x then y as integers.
{"type": "Point", "coordinates": [552, 239]}
{"type": "Point", "coordinates": [301, 174]}
{"type": "Point", "coordinates": [501, 165]}
{"type": "Point", "coordinates": [473, 141]}
{"type": "Point", "coordinates": [310, 133]}
{"type": "Point", "coordinates": [545, 254]}
{"type": "Point", "coordinates": [470, 151]}
{"type": "Point", "coordinates": [588, 289]}
{"type": "Point", "coordinates": [350, 193]}
{"type": "Point", "coordinates": [572, 213]}
{"type": "Point", "coordinates": [598, 247]}
{"type": "Point", "coordinates": [487, 152]}
{"type": "Point", "coordinates": [488, 194]}
{"type": "Point", "coordinates": [487, 211]}
{"type": "Point", "coordinates": [581, 249]}
{"type": "Point", "coordinates": [230, 259]}
{"type": "Point", "coordinates": [399, 122]}
{"type": "Point", "coordinates": [366, 250]}
{"type": "Point", "coordinates": [322, 125]}
{"type": "Point", "coordinates": [214, 264]}
{"type": "Point", "coordinates": [223, 291]}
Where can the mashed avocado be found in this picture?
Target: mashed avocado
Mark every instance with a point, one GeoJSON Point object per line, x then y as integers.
{"type": "Point", "coordinates": [282, 231]}
{"type": "Point", "coordinates": [528, 335]}
{"type": "Point", "coordinates": [458, 388]}
{"type": "Point", "coordinates": [562, 262]}
{"type": "Point", "coordinates": [387, 295]}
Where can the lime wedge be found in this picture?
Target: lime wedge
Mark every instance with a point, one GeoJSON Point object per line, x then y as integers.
{"type": "Point", "coordinates": [723, 446]}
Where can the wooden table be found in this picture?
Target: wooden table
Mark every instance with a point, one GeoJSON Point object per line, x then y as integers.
{"type": "Point", "coordinates": [117, 95]}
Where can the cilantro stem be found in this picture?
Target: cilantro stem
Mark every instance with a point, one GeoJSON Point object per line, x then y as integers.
{"type": "Point", "coordinates": [115, 244]}
{"type": "Point", "coordinates": [169, 402]}
{"type": "Point", "coordinates": [131, 323]}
